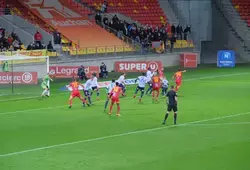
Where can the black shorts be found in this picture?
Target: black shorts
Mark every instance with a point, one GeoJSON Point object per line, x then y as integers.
{"type": "Point", "coordinates": [94, 88]}
{"type": "Point", "coordinates": [140, 88]}
{"type": "Point", "coordinates": [150, 84]}
{"type": "Point", "coordinates": [172, 107]}
{"type": "Point", "coordinates": [86, 93]}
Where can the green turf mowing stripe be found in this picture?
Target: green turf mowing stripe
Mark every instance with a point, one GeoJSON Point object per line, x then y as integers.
{"type": "Point", "coordinates": [45, 108]}
{"type": "Point", "coordinates": [119, 135]}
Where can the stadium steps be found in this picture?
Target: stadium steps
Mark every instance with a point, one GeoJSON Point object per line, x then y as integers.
{"type": "Point", "coordinates": [234, 19]}
{"type": "Point", "coordinates": [24, 36]}
{"type": "Point", "coordinates": [172, 19]}
{"type": "Point", "coordinates": [236, 43]}
{"type": "Point", "coordinates": [25, 27]}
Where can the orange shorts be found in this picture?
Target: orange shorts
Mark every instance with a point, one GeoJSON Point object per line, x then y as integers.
{"type": "Point", "coordinates": [115, 100]}
{"type": "Point", "coordinates": [76, 94]}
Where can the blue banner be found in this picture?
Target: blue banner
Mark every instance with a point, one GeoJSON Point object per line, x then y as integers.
{"type": "Point", "coordinates": [226, 58]}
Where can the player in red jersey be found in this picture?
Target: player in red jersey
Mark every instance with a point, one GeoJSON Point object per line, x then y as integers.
{"type": "Point", "coordinates": [156, 84]}
{"type": "Point", "coordinates": [76, 93]}
{"type": "Point", "coordinates": [178, 79]}
{"type": "Point", "coordinates": [114, 96]}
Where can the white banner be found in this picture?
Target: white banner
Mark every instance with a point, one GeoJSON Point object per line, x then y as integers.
{"type": "Point", "coordinates": [105, 84]}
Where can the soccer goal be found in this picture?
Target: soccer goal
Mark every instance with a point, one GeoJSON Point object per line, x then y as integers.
{"type": "Point", "coordinates": [22, 75]}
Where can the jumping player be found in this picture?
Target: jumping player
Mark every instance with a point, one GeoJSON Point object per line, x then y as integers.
{"type": "Point", "coordinates": [121, 82]}
{"type": "Point", "coordinates": [95, 86]}
{"type": "Point", "coordinates": [156, 85]}
{"type": "Point", "coordinates": [149, 75]}
{"type": "Point", "coordinates": [141, 86]}
{"type": "Point", "coordinates": [109, 89]}
{"type": "Point", "coordinates": [114, 96]}
{"type": "Point", "coordinates": [164, 86]}
{"type": "Point", "coordinates": [76, 93]}
{"type": "Point", "coordinates": [178, 79]}
{"type": "Point", "coordinates": [87, 88]}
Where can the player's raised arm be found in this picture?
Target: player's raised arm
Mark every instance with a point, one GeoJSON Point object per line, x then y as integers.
{"type": "Point", "coordinates": [50, 79]}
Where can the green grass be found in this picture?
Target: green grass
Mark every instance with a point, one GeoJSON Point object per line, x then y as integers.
{"type": "Point", "coordinates": [136, 140]}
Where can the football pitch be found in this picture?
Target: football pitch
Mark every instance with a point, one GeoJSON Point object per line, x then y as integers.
{"type": "Point", "coordinates": [212, 131]}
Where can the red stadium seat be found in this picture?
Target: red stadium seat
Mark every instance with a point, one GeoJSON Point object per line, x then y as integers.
{"type": "Point", "coordinates": [150, 9]}
{"type": "Point", "coordinates": [243, 7]}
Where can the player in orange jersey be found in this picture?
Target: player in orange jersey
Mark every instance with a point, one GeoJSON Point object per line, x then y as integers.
{"type": "Point", "coordinates": [156, 84]}
{"type": "Point", "coordinates": [178, 79]}
{"type": "Point", "coordinates": [114, 96]}
{"type": "Point", "coordinates": [76, 93]}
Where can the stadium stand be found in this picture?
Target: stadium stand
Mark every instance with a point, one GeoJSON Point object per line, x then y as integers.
{"type": "Point", "coordinates": [243, 7]}
{"type": "Point", "coordinates": [81, 35]}
{"type": "Point", "coordinates": [143, 11]}
{"type": "Point", "coordinates": [72, 22]}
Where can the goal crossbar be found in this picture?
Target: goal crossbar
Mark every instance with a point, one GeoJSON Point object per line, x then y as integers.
{"type": "Point", "coordinates": [20, 57]}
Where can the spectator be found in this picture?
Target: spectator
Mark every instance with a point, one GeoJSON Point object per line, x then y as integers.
{"type": "Point", "coordinates": [57, 37]}
{"type": "Point", "coordinates": [104, 8]}
{"type": "Point", "coordinates": [50, 47]}
{"type": "Point", "coordinates": [104, 72]}
{"type": "Point", "coordinates": [2, 32]}
{"type": "Point", "coordinates": [81, 73]}
{"type": "Point", "coordinates": [16, 45]}
{"type": "Point", "coordinates": [38, 39]}
{"type": "Point", "coordinates": [31, 46]}
{"type": "Point", "coordinates": [179, 31]}
{"type": "Point", "coordinates": [7, 10]}
{"type": "Point", "coordinates": [173, 29]}
{"type": "Point", "coordinates": [187, 30]}
{"type": "Point", "coordinates": [98, 18]}
{"type": "Point", "coordinates": [172, 41]}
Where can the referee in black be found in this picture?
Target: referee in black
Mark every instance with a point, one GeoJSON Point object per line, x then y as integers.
{"type": "Point", "coordinates": [172, 104]}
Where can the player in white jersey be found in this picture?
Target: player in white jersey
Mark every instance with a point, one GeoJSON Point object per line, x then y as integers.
{"type": "Point", "coordinates": [87, 88]}
{"type": "Point", "coordinates": [121, 82]}
{"type": "Point", "coordinates": [149, 76]}
{"type": "Point", "coordinates": [164, 86]}
{"type": "Point", "coordinates": [109, 89]}
{"type": "Point", "coordinates": [94, 86]}
{"type": "Point", "coordinates": [142, 81]}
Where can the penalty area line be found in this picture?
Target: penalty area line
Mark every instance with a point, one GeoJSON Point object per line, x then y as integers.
{"type": "Point", "coordinates": [118, 135]}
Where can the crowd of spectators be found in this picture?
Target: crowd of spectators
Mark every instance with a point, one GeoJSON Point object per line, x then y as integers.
{"type": "Point", "coordinates": [39, 45]}
{"type": "Point", "coordinates": [9, 42]}
{"type": "Point", "coordinates": [144, 35]}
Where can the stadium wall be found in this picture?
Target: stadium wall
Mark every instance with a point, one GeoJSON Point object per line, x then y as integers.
{"type": "Point", "coordinates": [168, 60]}
{"type": "Point", "coordinates": [198, 14]}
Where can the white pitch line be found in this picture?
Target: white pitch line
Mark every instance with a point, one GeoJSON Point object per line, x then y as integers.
{"type": "Point", "coordinates": [45, 108]}
{"type": "Point", "coordinates": [118, 135]}
{"type": "Point", "coordinates": [31, 97]}
{"type": "Point", "coordinates": [220, 124]}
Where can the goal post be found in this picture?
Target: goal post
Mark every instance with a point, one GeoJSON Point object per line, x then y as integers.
{"type": "Point", "coordinates": [22, 75]}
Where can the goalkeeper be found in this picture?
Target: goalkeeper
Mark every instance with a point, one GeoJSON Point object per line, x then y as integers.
{"type": "Point", "coordinates": [46, 85]}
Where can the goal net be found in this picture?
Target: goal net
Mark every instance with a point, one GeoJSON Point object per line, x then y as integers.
{"type": "Point", "coordinates": [22, 75]}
